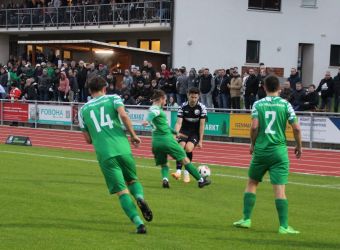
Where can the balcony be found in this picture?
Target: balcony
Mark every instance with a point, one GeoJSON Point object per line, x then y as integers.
{"type": "Point", "coordinates": [150, 15]}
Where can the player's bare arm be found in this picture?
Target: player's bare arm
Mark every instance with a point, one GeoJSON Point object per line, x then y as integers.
{"type": "Point", "coordinates": [202, 126]}
{"type": "Point", "coordinates": [254, 131]}
{"type": "Point", "coordinates": [178, 124]}
{"type": "Point", "coordinates": [128, 125]}
{"type": "Point", "coordinates": [87, 137]}
{"type": "Point", "coordinates": [297, 137]}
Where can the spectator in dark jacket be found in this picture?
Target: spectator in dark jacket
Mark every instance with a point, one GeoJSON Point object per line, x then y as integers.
{"type": "Point", "coordinates": [223, 95]}
{"type": "Point", "coordinates": [169, 86]}
{"type": "Point", "coordinates": [3, 77]}
{"type": "Point", "coordinates": [311, 100]}
{"type": "Point", "coordinates": [294, 78]}
{"type": "Point", "coordinates": [128, 100]}
{"type": "Point", "coordinates": [30, 90]}
{"type": "Point", "coordinates": [251, 87]}
{"type": "Point", "coordinates": [261, 93]}
{"type": "Point", "coordinates": [73, 94]}
{"type": "Point", "coordinates": [326, 89]}
{"type": "Point", "coordinates": [286, 92]}
{"type": "Point", "coordinates": [206, 87]}
{"type": "Point", "coordinates": [182, 86]}
{"type": "Point", "coordinates": [298, 96]}
{"type": "Point", "coordinates": [44, 84]}
{"type": "Point", "coordinates": [193, 80]}
{"type": "Point", "coordinates": [336, 86]}
{"type": "Point", "coordinates": [81, 77]}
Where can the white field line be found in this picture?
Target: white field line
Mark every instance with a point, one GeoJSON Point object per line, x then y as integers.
{"type": "Point", "coordinates": [336, 186]}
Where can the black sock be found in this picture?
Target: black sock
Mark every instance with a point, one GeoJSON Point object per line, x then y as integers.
{"type": "Point", "coordinates": [189, 154]}
{"type": "Point", "coordinates": [179, 165]}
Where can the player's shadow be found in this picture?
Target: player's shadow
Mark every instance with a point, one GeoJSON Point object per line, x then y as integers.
{"type": "Point", "coordinates": [71, 224]}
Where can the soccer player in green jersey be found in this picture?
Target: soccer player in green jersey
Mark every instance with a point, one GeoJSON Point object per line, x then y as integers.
{"type": "Point", "coordinates": [99, 121]}
{"type": "Point", "coordinates": [164, 143]}
{"type": "Point", "coordinates": [269, 150]}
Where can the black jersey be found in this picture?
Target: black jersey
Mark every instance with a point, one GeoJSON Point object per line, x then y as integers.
{"type": "Point", "coordinates": [191, 117]}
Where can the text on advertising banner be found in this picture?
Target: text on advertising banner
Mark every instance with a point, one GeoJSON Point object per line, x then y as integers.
{"type": "Point", "coordinates": [51, 114]}
{"type": "Point", "coordinates": [15, 111]}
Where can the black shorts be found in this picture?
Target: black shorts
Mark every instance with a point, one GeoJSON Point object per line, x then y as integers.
{"type": "Point", "coordinates": [194, 139]}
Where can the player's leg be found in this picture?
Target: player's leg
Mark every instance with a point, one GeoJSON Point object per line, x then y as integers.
{"type": "Point", "coordinates": [279, 178]}
{"type": "Point", "coordinates": [178, 173]}
{"type": "Point", "coordinates": [202, 182]}
{"type": "Point", "coordinates": [255, 173]}
{"type": "Point", "coordinates": [116, 184]}
{"type": "Point", "coordinates": [189, 147]}
{"type": "Point", "coordinates": [128, 166]}
{"type": "Point", "coordinates": [159, 150]}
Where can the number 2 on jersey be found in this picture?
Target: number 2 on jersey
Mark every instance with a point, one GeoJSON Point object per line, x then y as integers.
{"type": "Point", "coordinates": [270, 124]}
{"type": "Point", "coordinates": [103, 117]}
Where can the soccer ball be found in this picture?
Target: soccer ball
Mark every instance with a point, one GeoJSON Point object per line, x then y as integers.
{"type": "Point", "coordinates": [204, 170]}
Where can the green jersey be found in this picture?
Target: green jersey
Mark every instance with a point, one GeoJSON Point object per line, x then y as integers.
{"type": "Point", "coordinates": [159, 122]}
{"type": "Point", "coordinates": [272, 114]}
{"type": "Point", "coordinates": [99, 118]}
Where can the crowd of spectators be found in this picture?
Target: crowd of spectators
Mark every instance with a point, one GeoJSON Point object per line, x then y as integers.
{"type": "Point", "coordinates": [223, 88]}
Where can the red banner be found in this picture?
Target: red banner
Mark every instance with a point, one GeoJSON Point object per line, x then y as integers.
{"type": "Point", "coordinates": [17, 112]}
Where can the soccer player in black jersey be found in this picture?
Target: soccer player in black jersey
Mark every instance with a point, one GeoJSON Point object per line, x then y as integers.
{"type": "Point", "coordinates": [190, 123]}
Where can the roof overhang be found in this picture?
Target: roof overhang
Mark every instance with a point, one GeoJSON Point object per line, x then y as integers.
{"type": "Point", "coordinates": [91, 44]}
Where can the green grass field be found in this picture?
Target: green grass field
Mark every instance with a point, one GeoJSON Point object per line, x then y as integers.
{"type": "Point", "coordinates": [57, 199]}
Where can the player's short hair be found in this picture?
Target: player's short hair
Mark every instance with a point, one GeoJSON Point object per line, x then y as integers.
{"type": "Point", "coordinates": [157, 95]}
{"type": "Point", "coordinates": [272, 83]}
{"type": "Point", "coordinates": [193, 90]}
{"type": "Point", "coordinates": [96, 84]}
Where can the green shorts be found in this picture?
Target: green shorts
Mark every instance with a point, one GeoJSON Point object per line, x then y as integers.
{"type": "Point", "coordinates": [117, 171]}
{"type": "Point", "coordinates": [163, 147]}
{"type": "Point", "coordinates": [275, 161]}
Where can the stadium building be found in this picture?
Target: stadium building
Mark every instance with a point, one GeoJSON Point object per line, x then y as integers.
{"type": "Point", "coordinates": [215, 34]}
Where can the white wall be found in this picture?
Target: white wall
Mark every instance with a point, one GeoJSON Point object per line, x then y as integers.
{"type": "Point", "coordinates": [4, 48]}
{"type": "Point", "coordinates": [219, 30]}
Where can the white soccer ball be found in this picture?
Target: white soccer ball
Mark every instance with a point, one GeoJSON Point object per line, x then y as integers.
{"type": "Point", "coordinates": [204, 171]}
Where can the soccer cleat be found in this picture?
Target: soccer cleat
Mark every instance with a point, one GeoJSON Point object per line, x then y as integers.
{"type": "Point", "coordinates": [186, 178]}
{"type": "Point", "coordinates": [288, 230]}
{"type": "Point", "coordinates": [205, 182]}
{"type": "Point", "coordinates": [176, 175]}
{"type": "Point", "coordinates": [145, 209]}
{"type": "Point", "coordinates": [141, 229]}
{"type": "Point", "coordinates": [243, 223]}
{"type": "Point", "coordinates": [166, 184]}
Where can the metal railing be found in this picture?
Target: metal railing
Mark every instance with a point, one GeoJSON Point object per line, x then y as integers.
{"type": "Point", "coordinates": [87, 15]}
{"type": "Point", "coordinates": [317, 127]}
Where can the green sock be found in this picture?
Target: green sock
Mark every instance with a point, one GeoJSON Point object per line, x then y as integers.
{"type": "Point", "coordinates": [165, 172]}
{"type": "Point", "coordinates": [130, 209]}
{"type": "Point", "coordinates": [193, 171]}
{"type": "Point", "coordinates": [248, 203]}
{"type": "Point", "coordinates": [282, 210]}
{"type": "Point", "coordinates": [136, 190]}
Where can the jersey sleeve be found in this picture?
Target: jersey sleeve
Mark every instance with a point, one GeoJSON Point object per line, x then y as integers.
{"type": "Point", "coordinates": [153, 114]}
{"type": "Point", "coordinates": [180, 112]}
{"type": "Point", "coordinates": [117, 102]}
{"type": "Point", "coordinates": [82, 125]}
{"type": "Point", "coordinates": [254, 112]}
{"type": "Point", "coordinates": [204, 112]}
{"type": "Point", "coordinates": [292, 118]}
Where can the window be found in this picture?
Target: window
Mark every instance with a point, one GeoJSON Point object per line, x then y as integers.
{"type": "Point", "coordinates": [253, 52]}
{"type": "Point", "coordinates": [308, 3]}
{"type": "Point", "coordinates": [67, 54]}
{"type": "Point", "coordinates": [274, 5]}
{"type": "Point", "coordinates": [150, 45]}
{"type": "Point", "coordinates": [335, 55]}
{"type": "Point", "coordinates": [120, 43]}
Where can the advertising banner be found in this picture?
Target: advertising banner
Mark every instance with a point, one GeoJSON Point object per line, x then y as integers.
{"type": "Point", "coordinates": [325, 129]}
{"type": "Point", "coordinates": [137, 116]}
{"type": "Point", "coordinates": [14, 111]}
{"type": "Point", "coordinates": [51, 114]}
{"type": "Point", "coordinates": [240, 126]}
{"type": "Point", "coordinates": [216, 123]}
